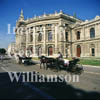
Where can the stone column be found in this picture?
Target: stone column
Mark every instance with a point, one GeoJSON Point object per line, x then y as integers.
{"type": "Point", "coordinates": [83, 32]}
{"type": "Point", "coordinates": [56, 40]}
{"type": "Point", "coordinates": [17, 40]}
{"type": "Point", "coordinates": [44, 40]}
{"type": "Point", "coordinates": [26, 38]}
{"type": "Point", "coordinates": [83, 50]}
{"type": "Point", "coordinates": [64, 42]}
{"type": "Point", "coordinates": [70, 46]}
{"type": "Point", "coordinates": [53, 32]}
{"type": "Point", "coordinates": [20, 41]}
{"type": "Point", "coordinates": [34, 41]}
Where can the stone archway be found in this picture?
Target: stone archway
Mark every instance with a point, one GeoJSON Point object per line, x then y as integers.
{"type": "Point", "coordinates": [78, 50]}
{"type": "Point", "coordinates": [39, 51]}
{"type": "Point", "coordinates": [29, 51]}
{"type": "Point", "coordinates": [92, 50]}
{"type": "Point", "coordinates": [50, 50]}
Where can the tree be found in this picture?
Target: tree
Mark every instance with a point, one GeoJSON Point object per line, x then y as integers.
{"type": "Point", "coordinates": [2, 51]}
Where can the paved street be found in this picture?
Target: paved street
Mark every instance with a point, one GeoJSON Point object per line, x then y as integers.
{"type": "Point", "coordinates": [87, 86]}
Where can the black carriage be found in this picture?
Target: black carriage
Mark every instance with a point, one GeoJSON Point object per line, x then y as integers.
{"type": "Point", "coordinates": [75, 66]}
{"type": "Point", "coordinates": [25, 60]}
{"type": "Point", "coordinates": [58, 64]}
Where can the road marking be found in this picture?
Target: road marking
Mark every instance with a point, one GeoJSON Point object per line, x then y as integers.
{"type": "Point", "coordinates": [5, 69]}
{"type": "Point", "coordinates": [2, 65]}
{"type": "Point", "coordinates": [92, 73]}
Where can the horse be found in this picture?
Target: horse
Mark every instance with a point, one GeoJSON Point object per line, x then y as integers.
{"type": "Point", "coordinates": [51, 63]}
{"type": "Point", "coordinates": [42, 61]}
{"type": "Point", "coordinates": [47, 62]}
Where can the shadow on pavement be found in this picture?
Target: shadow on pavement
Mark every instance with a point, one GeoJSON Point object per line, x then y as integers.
{"type": "Point", "coordinates": [14, 90]}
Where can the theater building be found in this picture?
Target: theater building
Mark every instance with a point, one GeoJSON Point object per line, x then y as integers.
{"type": "Point", "coordinates": [50, 33]}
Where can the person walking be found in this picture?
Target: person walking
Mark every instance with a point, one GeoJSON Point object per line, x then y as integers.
{"type": "Point", "coordinates": [1, 58]}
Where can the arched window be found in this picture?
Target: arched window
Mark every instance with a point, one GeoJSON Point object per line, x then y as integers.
{"type": "Point", "coordinates": [39, 51]}
{"type": "Point", "coordinates": [31, 49]}
{"type": "Point", "coordinates": [92, 33]}
{"type": "Point", "coordinates": [49, 36]}
{"type": "Point", "coordinates": [78, 50]}
{"type": "Point", "coordinates": [93, 51]}
{"type": "Point", "coordinates": [92, 46]}
{"type": "Point", "coordinates": [78, 35]}
{"type": "Point", "coordinates": [50, 50]}
{"type": "Point", "coordinates": [66, 36]}
{"type": "Point", "coordinates": [40, 37]}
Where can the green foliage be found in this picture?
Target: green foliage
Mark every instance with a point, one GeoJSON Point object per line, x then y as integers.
{"type": "Point", "coordinates": [90, 62]}
{"type": "Point", "coordinates": [2, 51]}
{"type": "Point", "coordinates": [35, 58]}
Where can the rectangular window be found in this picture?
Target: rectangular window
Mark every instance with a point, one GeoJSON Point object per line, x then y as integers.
{"type": "Point", "coordinates": [66, 36]}
{"type": "Point", "coordinates": [93, 52]}
{"type": "Point", "coordinates": [49, 35]}
{"type": "Point", "coordinates": [49, 25]}
{"type": "Point", "coordinates": [78, 35]}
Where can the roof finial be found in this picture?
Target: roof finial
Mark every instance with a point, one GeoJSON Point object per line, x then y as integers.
{"type": "Point", "coordinates": [21, 11]}
{"type": "Point", "coordinates": [61, 12]}
{"type": "Point", "coordinates": [55, 12]}
{"type": "Point", "coordinates": [44, 14]}
{"type": "Point", "coordinates": [21, 15]}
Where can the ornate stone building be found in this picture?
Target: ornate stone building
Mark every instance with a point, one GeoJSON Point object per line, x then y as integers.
{"type": "Point", "coordinates": [49, 34]}
{"type": "Point", "coordinates": [11, 48]}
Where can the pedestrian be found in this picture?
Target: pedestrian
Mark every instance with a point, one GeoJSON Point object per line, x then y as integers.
{"type": "Point", "coordinates": [1, 57]}
{"type": "Point", "coordinates": [17, 59]}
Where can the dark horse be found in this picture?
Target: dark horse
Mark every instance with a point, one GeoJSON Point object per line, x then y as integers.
{"type": "Point", "coordinates": [43, 61]}
{"type": "Point", "coordinates": [47, 62]}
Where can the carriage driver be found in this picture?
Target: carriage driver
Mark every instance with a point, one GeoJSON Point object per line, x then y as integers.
{"type": "Point", "coordinates": [60, 56]}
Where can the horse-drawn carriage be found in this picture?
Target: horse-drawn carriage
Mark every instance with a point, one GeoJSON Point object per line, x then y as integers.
{"type": "Point", "coordinates": [55, 63]}
{"type": "Point", "coordinates": [25, 60]}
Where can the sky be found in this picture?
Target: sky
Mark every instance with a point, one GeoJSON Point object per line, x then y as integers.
{"type": "Point", "coordinates": [10, 11]}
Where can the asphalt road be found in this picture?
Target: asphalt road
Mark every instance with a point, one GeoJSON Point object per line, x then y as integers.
{"type": "Point", "coordinates": [87, 87]}
{"type": "Point", "coordinates": [1, 70]}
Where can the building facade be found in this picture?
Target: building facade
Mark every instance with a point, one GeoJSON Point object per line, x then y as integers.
{"type": "Point", "coordinates": [52, 33]}
{"type": "Point", "coordinates": [11, 48]}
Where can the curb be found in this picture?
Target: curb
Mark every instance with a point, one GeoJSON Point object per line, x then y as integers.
{"type": "Point", "coordinates": [91, 66]}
